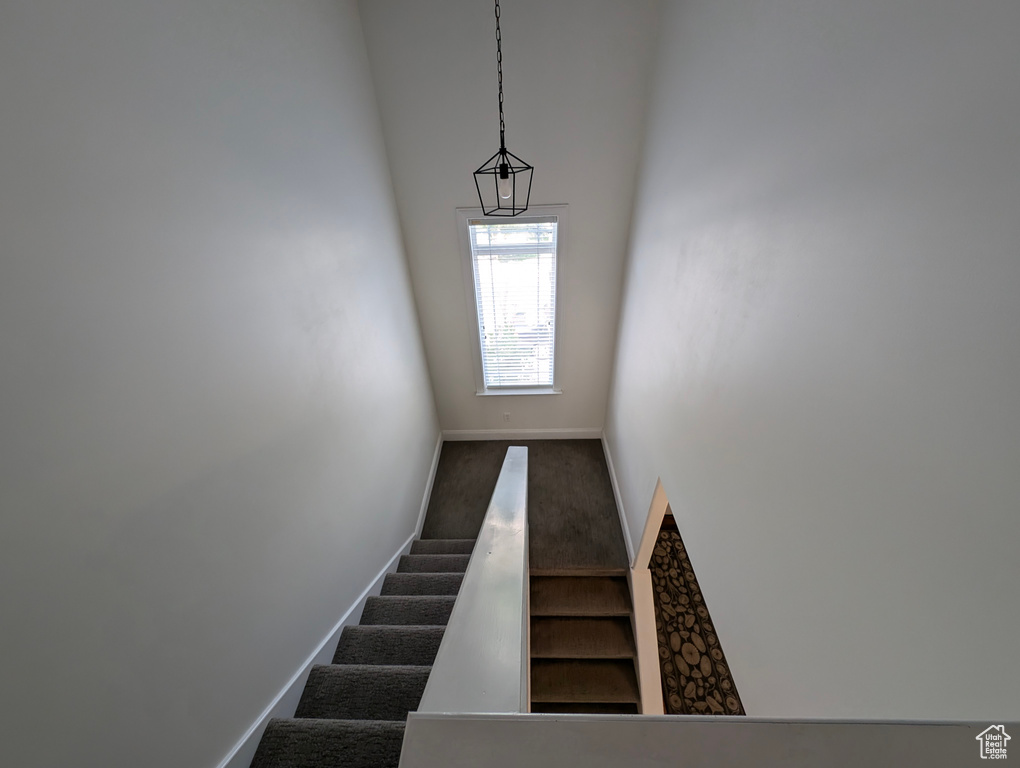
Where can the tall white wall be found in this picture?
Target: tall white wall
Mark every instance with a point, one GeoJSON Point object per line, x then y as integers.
{"type": "Point", "coordinates": [819, 349]}
{"type": "Point", "coordinates": [217, 420]}
{"type": "Point", "coordinates": [575, 77]}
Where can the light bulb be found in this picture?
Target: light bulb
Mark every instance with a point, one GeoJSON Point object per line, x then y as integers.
{"type": "Point", "coordinates": [504, 182]}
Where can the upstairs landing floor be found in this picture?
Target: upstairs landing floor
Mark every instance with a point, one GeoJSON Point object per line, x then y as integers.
{"type": "Point", "coordinates": [572, 517]}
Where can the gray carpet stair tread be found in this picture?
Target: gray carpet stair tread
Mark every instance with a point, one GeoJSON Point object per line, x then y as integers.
{"type": "Point", "coordinates": [579, 596]}
{"type": "Point", "coordinates": [582, 708]}
{"type": "Point", "coordinates": [433, 563]}
{"type": "Point", "coordinates": [382, 644]}
{"type": "Point", "coordinates": [352, 711]}
{"type": "Point", "coordinates": [408, 609]}
{"type": "Point", "coordinates": [595, 681]}
{"type": "Point", "coordinates": [422, 583]}
{"type": "Point", "coordinates": [367, 692]}
{"type": "Point", "coordinates": [289, 743]}
{"type": "Point", "coordinates": [442, 546]}
{"type": "Point", "coordinates": [606, 637]}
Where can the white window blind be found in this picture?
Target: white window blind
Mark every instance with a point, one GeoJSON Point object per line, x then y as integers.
{"type": "Point", "coordinates": [514, 268]}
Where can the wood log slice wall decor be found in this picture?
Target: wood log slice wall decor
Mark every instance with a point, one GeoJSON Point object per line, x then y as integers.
{"type": "Point", "coordinates": [696, 679]}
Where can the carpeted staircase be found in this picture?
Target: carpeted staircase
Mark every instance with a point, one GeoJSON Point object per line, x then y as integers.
{"type": "Point", "coordinates": [582, 645]}
{"type": "Point", "coordinates": [352, 711]}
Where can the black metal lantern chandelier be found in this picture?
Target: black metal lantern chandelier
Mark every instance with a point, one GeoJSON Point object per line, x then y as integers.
{"type": "Point", "coordinates": [504, 180]}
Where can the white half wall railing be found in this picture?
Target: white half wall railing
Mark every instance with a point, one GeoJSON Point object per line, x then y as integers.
{"type": "Point", "coordinates": [647, 741]}
{"type": "Point", "coordinates": [482, 663]}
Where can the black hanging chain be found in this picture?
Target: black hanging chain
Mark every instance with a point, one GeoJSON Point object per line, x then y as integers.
{"type": "Point", "coordinates": [499, 72]}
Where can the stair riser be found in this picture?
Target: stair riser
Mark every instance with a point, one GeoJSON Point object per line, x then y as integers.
{"type": "Point", "coordinates": [599, 682]}
{"type": "Point", "coordinates": [583, 708]}
{"type": "Point", "coordinates": [583, 596]}
{"type": "Point", "coordinates": [582, 638]}
{"type": "Point", "coordinates": [422, 583]}
{"type": "Point", "coordinates": [433, 563]}
{"type": "Point", "coordinates": [433, 611]}
{"type": "Point", "coordinates": [388, 645]}
{"type": "Point", "coordinates": [348, 691]}
{"type": "Point", "coordinates": [442, 546]}
{"type": "Point", "coordinates": [316, 743]}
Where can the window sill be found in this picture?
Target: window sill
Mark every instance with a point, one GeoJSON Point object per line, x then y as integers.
{"type": "Point", "coordinates": [520, 391]}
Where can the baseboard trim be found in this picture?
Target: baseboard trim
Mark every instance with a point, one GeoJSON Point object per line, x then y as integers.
{"type": "Point", "coordinates": [285, 702]}
{"type": "Point", "coordinates": [428, 485]}
{"type": "Point", "coordinates": [522, 434]}
{"type": "Point", "coordinates": [619, 500]}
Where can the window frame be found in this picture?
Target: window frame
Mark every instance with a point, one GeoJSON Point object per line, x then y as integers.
{"type": "Point", "coordinates": [464, 215]}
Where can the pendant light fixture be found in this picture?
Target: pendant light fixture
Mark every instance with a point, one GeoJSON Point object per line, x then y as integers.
{"type": "Point", "coordinates": [504, 180]}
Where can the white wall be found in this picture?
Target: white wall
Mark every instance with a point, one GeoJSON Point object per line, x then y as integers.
{"type": "Point", "coordinates": [575, 77]}
{"type": "Point", "coordinates": [217, 421]}
{"type": "Point", "coordinates": [819, 348]}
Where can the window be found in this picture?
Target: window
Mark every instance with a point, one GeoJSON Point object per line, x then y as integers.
{"type": "Point", "coordinates": [513, 280]}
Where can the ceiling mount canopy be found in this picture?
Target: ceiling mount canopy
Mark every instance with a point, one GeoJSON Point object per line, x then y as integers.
{"type": "Point", "coordinates": [504, 180]}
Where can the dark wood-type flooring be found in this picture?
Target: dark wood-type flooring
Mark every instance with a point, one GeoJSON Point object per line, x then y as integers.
{"type": "Point", "coordinates": [572, 518]}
